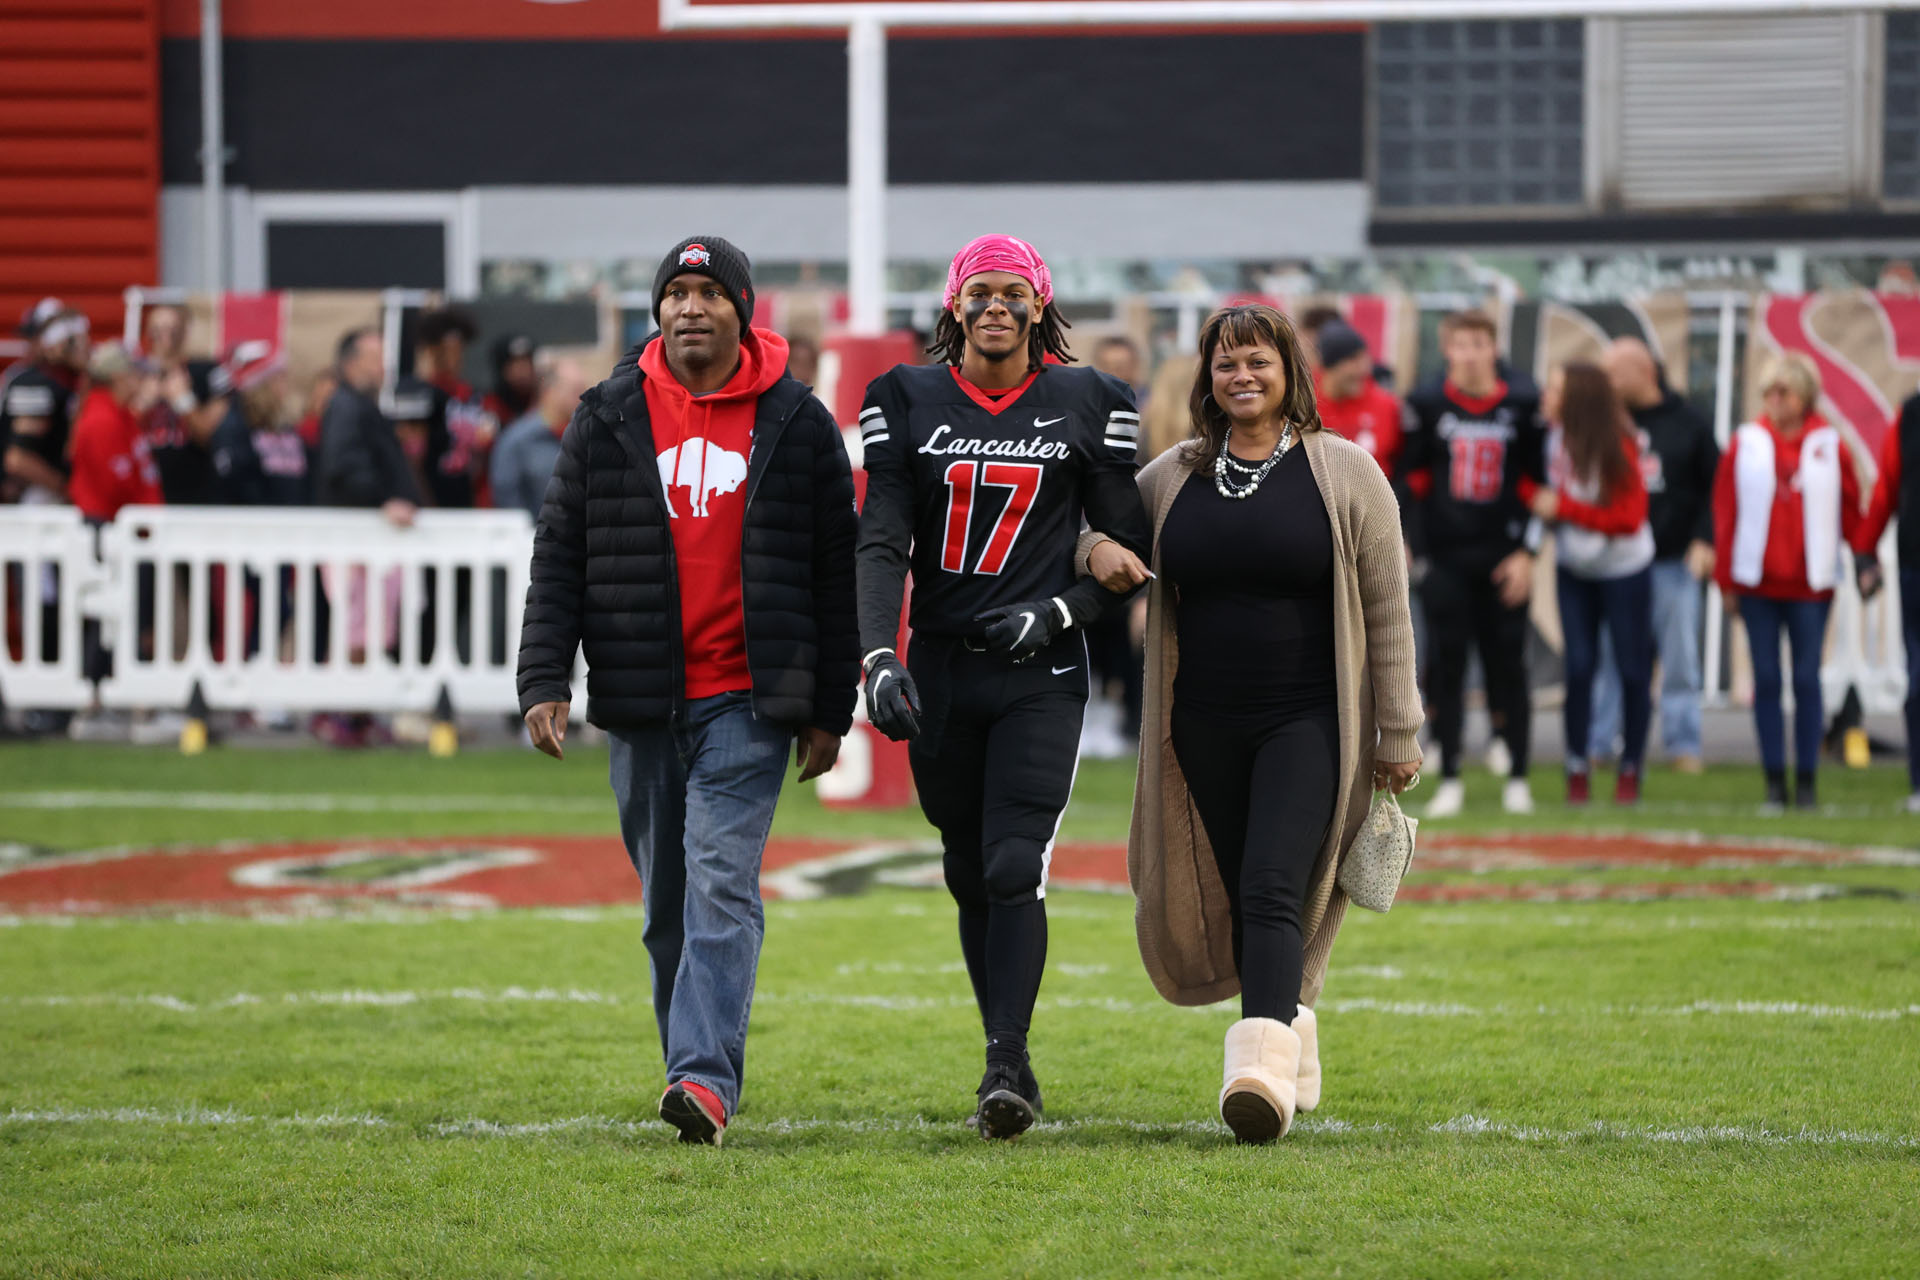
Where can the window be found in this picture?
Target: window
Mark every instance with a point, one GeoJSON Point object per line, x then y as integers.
{"type": "Point", "coordinates": [1902, 155]}
{"type": "Point", "coordinates": [1478, 114]}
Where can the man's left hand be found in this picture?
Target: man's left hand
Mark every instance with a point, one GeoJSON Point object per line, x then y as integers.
{"type": "Point", "coordinates": [814, 751]}
{"type": "Point", "coordinates": [1019, 631]}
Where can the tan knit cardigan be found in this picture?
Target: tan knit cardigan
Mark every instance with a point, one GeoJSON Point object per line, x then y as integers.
{"type": "Point", "coordinates": [1180, 912]}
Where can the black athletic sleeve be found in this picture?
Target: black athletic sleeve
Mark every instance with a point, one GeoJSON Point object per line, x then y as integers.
{"type": "Point", "coordinates": [557, 581]}
{"type": "Point", "coordinates": [1415, 481]}
{"type": "Point", "coordinates": [836, 527]}
{"type": "Point", "coordinates": [1110, 498]}
{"type": "Point", "coordinates": [1531, 440]}
{"type": "Point", "coordinates": [884, 549]}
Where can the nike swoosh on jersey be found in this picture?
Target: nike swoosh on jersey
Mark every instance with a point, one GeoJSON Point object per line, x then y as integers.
{"type": "Point", "coordinates": [1060, 671]}
{"type": "Point", "coordinates": [1046, 422]}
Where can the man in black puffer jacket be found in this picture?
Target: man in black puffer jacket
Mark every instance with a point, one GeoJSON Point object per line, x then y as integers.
{"type": "Point", "coordinates": [697, 538]}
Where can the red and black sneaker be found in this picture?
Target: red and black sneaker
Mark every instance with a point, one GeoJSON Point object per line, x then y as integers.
{"type": "Point", "coordinates": [1577, 789]}
{"type": "Point", "coordinates": [1626, 787]}
{"type": "Point", "coordinates": [695, 1111]}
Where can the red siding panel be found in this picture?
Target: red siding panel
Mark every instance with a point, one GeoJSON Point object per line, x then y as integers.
{"type": "Point", "coordinates": [79, 153]}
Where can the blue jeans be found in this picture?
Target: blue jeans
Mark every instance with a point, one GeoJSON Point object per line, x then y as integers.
{"type": "Point", "coordinates": [1910, 635]}
{"type": "Point", "coordinates": [1676, 637]}
{"type": "Point", "coordinates": [696, 801]}
{"type": "Point", "coordinates": [1622, 609]}
{"type": "Point", "coordinates": [1805, 625]}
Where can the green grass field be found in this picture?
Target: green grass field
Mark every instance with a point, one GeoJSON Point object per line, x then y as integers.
{"type": "Point", "coordinates": [1693, 1087]}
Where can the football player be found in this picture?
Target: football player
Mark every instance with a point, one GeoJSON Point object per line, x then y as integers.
{"type": "Point", "coordinates": [979, 470]}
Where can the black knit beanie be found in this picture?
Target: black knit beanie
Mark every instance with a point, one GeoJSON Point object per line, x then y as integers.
{"type": "Point", "coordinates": [1339, 342]}
{"type": "Point", "coordinates": [716, 258]}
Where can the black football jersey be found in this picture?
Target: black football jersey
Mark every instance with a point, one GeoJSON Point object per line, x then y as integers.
{"type": "Point", "coordinates": [38, 392]}
{"type": "Point", "coordinates": [984, 497]}
{"type": "Point", "coordinates": [1461, 465]}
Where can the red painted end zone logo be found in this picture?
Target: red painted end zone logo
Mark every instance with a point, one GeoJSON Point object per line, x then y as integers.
{"type": "Point", "coordinates": [594, 871]}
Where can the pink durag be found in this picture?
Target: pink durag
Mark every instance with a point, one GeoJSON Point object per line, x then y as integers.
{"type": "Point", "coordinates": [1000, 253]}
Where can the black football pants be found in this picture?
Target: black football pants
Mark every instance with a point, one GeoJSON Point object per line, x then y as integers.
{"type": "Point", "coordinates": [994, 777]}
{"type": "Point", "coordinates": [1463, 608]}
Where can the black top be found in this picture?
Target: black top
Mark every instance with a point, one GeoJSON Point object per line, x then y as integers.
{"type": "Point", "coordinates": [983, 495]}
{"type": "Point", "coordinates": [1907, 505]}
{"type": "Point", "coordinates": [1679, 457]}
{"type": "Point", "coordinates": [361, 461]}
{"type": "Point", "coordinates": [1461, 466]}
{"type": "Point", "coordinates": [1253, 579]}
{"type": "Point", "coordinates": [38, 392]}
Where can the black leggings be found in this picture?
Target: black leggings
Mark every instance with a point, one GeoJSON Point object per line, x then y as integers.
{"type": "Point", "coordinates": [1264, 787]}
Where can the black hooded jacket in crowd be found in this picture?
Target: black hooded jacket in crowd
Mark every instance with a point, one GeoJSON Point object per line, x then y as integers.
{"type": "Point", "coordinates": [604, 575]}
{"type": "Point", "coordinates": [361, 461]}
{"type": "Point", "coordinates": [1679, 457]}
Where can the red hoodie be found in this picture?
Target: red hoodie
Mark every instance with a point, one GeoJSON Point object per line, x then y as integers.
{"type": "Point", "coordinates": [1370, 419]}
{"type": "Point", "coordinates": [112, 464]}
{"type": "Point", "coordinates": [704, 471]}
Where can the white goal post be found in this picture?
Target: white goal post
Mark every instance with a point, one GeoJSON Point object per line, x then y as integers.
{"type": "Point", "coordinates": [866, 23]}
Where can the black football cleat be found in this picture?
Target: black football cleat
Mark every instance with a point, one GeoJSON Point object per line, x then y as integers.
{"type": "Point", "coordinates": [1004, 1111]}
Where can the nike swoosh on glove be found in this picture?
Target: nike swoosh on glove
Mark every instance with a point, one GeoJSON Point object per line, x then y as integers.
{"type": "Point", "coordinates": [893, 701]}
{"type": "Point", "coordinates": [1019, 631]}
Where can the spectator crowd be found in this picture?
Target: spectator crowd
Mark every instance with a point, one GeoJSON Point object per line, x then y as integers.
{"type": "Point", "coordinates": [1646, 511]}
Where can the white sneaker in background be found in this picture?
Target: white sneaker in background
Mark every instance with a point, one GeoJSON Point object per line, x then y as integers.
{"type": "Point", "coordinates": [1100, 736]}
{"type": "Point", "coordinates": [1517, 796]}
{"type": "Point", "coordinates": [1913, 803]}
{"type": "Point", "coordinates": [1447, 799]}
{"type": "Point", "coordinates": [1499, 758]}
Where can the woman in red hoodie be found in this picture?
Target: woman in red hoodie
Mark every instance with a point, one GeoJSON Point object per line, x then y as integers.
{"type": "Point", "coordinates": [1603, 547]}
{"type": "Point", "coordinates": [1785, 502]}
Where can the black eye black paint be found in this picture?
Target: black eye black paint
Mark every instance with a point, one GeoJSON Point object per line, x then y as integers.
{"type": "Point", "coordinates": [1016, 310]}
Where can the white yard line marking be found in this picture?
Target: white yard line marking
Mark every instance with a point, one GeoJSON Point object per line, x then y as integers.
{"type": "Point", "coordinates": [919, 1004]}
{"type": "Point", "coordinates": [1465, 1126]}
{"type": "Point", "coordinates": [302, 801]}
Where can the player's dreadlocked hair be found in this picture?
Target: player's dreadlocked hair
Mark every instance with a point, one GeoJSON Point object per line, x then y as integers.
{"type": "Point", "coordinates": [1048, 338]}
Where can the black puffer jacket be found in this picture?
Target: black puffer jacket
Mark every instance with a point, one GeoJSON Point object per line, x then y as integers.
{"type": "Point", "coordinates": [604, 574]}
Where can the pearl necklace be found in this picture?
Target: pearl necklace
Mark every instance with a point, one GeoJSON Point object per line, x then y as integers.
{"type": "Point", "coordinates": [1245, 473]}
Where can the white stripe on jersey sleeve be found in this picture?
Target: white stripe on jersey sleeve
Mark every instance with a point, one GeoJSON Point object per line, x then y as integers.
{"type": "Point", "coordinates": [872, 410]}
{"type": "Point", "coordinates": [1131, 430]}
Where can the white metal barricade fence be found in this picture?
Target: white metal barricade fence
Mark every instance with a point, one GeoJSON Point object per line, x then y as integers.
{"type": "Point", "coordinates": [49, 576]}
{"type": "Point", "coordinates": [316, 609]}
{"type": "Point", "coordinates": [313, 608]}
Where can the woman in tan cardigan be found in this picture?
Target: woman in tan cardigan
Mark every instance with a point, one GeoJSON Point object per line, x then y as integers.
{"type": "Point", "coordinates": [1280, 576]}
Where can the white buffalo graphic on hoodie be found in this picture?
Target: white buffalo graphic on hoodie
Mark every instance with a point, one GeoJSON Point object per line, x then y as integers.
{"type": "Point", "coordinates": [703, 469]}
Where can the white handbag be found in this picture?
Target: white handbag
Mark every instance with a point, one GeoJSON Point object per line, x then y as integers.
{"type": "Point", "coordinates": [1378, 859]}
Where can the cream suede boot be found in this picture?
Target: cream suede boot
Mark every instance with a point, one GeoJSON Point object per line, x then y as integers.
{"type": "Point", "coordinates": [1263, 1060]}
{"type": "Point", "coordinates": [1306, 1090]}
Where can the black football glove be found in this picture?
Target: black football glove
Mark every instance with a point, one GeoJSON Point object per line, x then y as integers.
{"type": "Point", "coordinates": [893, 703]}
{"type": "Point", "coordinates": [1019, 631]}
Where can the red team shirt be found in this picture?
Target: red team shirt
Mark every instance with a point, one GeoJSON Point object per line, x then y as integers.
{"type": "Point", "coordinates": [112, 462]}
{"type": "Point", "coordinates": [1783, 571]}
{"type": "Point", "coordinates": [1370, 419]}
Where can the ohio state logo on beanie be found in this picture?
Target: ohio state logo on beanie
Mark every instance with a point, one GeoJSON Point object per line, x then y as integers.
{"type": "Point", "coordinates": [715, 257]}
